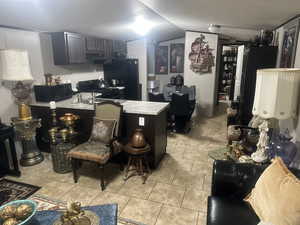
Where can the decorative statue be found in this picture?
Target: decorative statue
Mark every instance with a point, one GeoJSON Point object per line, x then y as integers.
{"type": "Point", "coordinates": [74, 215]}
{"type": "Point", "coordinates": [260, 154]}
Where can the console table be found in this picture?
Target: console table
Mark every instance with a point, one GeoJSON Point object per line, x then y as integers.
{"type": "Point", "coordinates": [8, 157]}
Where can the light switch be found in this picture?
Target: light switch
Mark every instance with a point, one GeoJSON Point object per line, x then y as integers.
{"type": "Point", "coordinates": [141, 121]}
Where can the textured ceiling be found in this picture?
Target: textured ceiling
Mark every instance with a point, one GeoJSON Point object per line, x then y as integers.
{"type": "Point", "coordinates": [250, 14]}
{"type": "Point", "coordinates": [102, 18]}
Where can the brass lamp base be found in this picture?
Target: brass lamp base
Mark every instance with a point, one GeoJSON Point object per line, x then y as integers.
{"type": "Point", "coordinates": [24, 112]}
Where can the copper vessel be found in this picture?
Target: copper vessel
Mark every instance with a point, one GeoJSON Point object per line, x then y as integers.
{"type": "Point", "coordinates": [138, 139]}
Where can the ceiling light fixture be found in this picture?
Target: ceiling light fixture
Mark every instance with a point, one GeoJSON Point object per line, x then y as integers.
{"type": "Point", "coordinates": [141, 26]}
{"type": "Point", "coordinates": [214, 28]}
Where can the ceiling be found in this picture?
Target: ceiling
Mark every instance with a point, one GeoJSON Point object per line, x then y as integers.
{"type": "Point", "coordinates": [112, 18]}
{"type": "Point", "coordinates": [102, 18]}
{"type": "Point", "coordinates": [251, 14]}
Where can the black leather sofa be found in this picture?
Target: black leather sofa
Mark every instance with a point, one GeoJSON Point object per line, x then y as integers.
{"type": "Point", "coordinates": [231, 183]}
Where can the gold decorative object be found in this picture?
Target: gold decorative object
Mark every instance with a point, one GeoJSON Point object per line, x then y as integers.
{"type": "Point", "coordinates": [8, 212]}
{"type": "Point", "coordinates": [69, 120]}
{"type": "Point", "coordinates": [138, 139]}
{"type": "Point", "coordinates": [64, 134]}
{"type": "Point", "coordinates": [74, 215]}
{"type": "Point", "coordinates": [52, 133]}
{"type": "Point", "coordinates": [24, 112]}
{"type": "Point", "coordinates": [11, 221]}
{"type": "Point", "coordinates": [23, 211]}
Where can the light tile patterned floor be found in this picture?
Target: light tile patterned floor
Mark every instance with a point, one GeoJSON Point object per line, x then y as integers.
{"type": "Point", "coordinates": [174, 194]}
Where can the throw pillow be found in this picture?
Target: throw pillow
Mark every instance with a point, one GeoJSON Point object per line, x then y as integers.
{"type": "Point", "coordinates": [275, 197]}
{"type": "Point", "coordinates": [103, 130]}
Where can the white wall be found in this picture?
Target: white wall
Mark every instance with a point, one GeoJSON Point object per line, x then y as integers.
{"type": "Point", "coordinates": [205, 83]}
{"type": "Point", "coordinates": [138, 50]}
{"type": "Point", "coordinates": [30, 41]}
{"type": "Point", "coordinates": [165, 78]}
{"type": "Point", "coordinates": [293, 125]}
{"type": "Point", "coordinates": [39, 47]}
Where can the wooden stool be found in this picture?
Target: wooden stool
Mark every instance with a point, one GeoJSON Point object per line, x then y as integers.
{"type": "Point", "coordinates": [138, 159]}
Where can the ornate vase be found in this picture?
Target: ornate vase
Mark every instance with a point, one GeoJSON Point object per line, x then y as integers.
{"type": "Point", "coordinates": [280, 145]}
{"type": "Point", "coordinates": [138, 139]}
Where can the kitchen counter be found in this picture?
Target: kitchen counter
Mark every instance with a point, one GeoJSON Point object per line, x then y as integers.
{"type": "Point", "coordinates": [129, 106]}
{"type": "Point", "coordinates": [154, 123]}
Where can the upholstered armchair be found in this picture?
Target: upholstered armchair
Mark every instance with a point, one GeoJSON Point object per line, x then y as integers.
{"type": "Point", "coordinates": [103, 143]}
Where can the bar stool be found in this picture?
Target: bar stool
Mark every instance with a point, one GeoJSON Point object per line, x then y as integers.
{"type": "Point", "coordinates": [138, 159]}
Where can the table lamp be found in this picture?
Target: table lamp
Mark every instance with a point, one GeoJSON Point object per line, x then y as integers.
{"type": "Point", "coordinates": [276, 98]}
{"type": "Point", "coordinates": [15, 67]}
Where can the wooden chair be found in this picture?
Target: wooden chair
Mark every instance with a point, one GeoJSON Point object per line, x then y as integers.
{"type": "Point", "coordinates": [98, 151]}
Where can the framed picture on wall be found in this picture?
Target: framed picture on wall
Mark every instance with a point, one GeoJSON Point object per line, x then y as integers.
{"type": "Point", "coordinates": [289, 45]}
{"type": "Point", "coordinates": [176, 58]}
{"type": "Point", "coordinates": [161, 59]}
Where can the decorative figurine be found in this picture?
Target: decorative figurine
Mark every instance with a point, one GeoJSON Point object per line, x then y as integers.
{"type": "Point", "coordinates": [260, 154]}
{"type": "Point", "coordinates": [74, 215]}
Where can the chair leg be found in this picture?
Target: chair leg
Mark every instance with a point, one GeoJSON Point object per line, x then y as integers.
{"type": "Point", "coordinates": [102, 177]}
{"type": "Point", "coordinates": [75, 167]}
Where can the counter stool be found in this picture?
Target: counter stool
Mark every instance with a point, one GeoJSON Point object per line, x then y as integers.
{"type": "Point", "coordinates": [138, 159]}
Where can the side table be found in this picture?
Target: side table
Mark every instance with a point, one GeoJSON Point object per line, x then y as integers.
{"type": "Point", "coordinates": [8, 156]}
{"type": "Point", "coordinates": [138, 159]}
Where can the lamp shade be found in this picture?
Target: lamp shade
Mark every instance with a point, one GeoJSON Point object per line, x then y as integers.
{"type": "Point", "coordinates": [15, 65]}
{"type": "Point", "coordinates": [276, 93]}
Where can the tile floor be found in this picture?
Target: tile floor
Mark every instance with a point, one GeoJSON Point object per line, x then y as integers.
{"type": "Point", "coordinates": [174, 194]}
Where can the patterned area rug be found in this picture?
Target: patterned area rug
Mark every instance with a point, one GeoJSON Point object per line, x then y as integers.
{"type": "Point", "coordinates": [13, 190]}
{"type": "Point", "coordinates": [45, 203]}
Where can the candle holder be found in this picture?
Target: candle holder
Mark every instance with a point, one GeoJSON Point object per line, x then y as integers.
{"type": "Point", "coordinates": [69, 120]}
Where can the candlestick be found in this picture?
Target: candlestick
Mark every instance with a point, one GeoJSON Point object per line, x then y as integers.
{"type": "Point", "coordinates": [52, 105]}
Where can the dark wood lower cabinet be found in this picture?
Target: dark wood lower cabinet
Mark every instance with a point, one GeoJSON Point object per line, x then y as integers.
{"type": "Point", "coordinates": [154, 130]}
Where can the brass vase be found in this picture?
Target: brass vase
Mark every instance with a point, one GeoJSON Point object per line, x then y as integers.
{"type": "Point", "coordinates": [69, 120]}
{"type": "Point", "coordinates": [138, 139]}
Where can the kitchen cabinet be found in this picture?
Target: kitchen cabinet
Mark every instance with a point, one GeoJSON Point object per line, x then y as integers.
{"type": "Point", "coordinates": [119, 48]}
{"type": "Point", "coordinates": [68, 48]}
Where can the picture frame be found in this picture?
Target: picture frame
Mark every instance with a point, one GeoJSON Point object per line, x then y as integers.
{"type": "Point", "coordinates": [161, 59]}
{"type": "Point", "coordinates": [176, 58]}
{"type": "Point", "coordinates": [289, 44]}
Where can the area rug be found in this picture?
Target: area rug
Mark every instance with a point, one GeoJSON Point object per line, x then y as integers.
{"type": "Point", "coordinates": [45, 203]}
{"type": "Point", "coordinates": [12, 190]}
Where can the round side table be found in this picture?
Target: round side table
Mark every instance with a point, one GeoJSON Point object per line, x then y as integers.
{"type": "Point", "coordinates": [138, 159]}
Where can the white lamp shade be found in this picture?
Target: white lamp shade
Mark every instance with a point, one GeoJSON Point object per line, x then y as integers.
{"type": "Point", "coordinates": [276, 93]}
{"type": "Point", "coordinates": [14, 64]}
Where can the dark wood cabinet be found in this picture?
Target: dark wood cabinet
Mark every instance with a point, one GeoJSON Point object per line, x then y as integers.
{"type": "Point", "coordinates": [119, 48]}
{"type": "Point", "coordinates": [68, 48]}
{"type": "Point", "coordinates": [71, 48]}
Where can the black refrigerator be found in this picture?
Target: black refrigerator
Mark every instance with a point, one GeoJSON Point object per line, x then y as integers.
{"type": "Point", "coordinates": [254, 58]}
{"type": "Point", "coordinates": [126, 71]}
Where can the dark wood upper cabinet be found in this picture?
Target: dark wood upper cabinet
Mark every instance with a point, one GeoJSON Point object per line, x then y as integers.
{"type": "Point", "coordinates": [119, 48]}
{"type": "Point", "coordinates": [68, 48]}
{"type": "Point", "coordinates": [71, 48]}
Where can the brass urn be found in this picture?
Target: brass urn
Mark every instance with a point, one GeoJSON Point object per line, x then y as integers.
{"type": "Point", "coordinates": [138, 139]}
{"type": "Point", "coordinates": [69, 120]}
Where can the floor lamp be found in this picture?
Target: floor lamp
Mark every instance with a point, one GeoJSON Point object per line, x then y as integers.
{"type": "Point", "coordinates": [15, 69]}
{"type": "Point", "coordinates": [276, 98]}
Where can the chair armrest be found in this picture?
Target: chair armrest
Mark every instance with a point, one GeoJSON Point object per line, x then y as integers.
{"type": "Point", "coordinates": [234, 180]}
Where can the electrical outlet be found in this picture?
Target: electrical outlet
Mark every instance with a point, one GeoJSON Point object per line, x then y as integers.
{"type": "Point", "coordinates": [141, 121]}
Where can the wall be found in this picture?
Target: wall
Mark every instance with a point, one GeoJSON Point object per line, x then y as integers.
{"type": "Point", "coordinates": [138, 49]}
{"type": "Point", "coordinates": [165, 78]}
{"type": "Point", "coordinates": [39, 47]}
{"type": "Point", "coordinates": [30, 41]}
{"type": "Point", "coordinates": [205, 83]}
